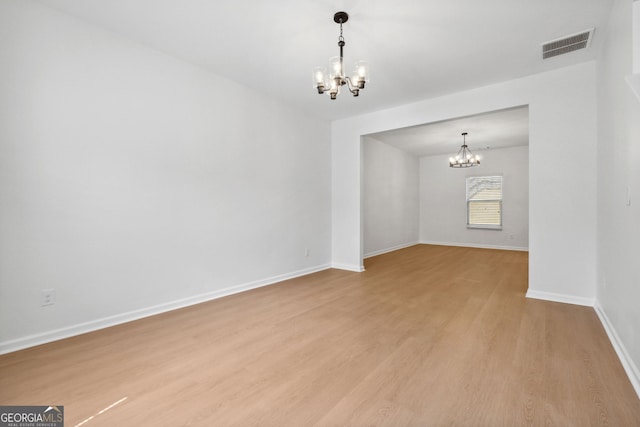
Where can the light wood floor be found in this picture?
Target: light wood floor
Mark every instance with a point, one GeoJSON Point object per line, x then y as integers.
{"type": "Point", "coordinates": [427, 336]}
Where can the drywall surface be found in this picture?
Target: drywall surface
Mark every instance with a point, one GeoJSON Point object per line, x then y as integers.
{"type": "Point", "coordinates": [618, 289]}
{"type": "Point", "coordinates": [132, 182]}
{"type": "Point", "coordinates": [390, 197]}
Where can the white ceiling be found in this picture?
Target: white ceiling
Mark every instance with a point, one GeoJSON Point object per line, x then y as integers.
{"type": "Point", "coordinates": [487, 131]}
{"type": "Point", "coordinates": [417, 49]}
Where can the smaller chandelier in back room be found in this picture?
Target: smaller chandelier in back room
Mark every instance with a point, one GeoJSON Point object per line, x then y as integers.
{"type": "Point", "coordinates": [464, 158]}
{"type": "Point", "coordinates": [337, 78]}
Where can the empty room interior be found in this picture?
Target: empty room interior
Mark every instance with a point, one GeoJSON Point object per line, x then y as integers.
{"type": "Point", "coordinates": [320, 213]}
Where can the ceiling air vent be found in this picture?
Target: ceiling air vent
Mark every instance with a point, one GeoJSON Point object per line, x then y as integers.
{"type": "Point", "coordinates": [567, 44]}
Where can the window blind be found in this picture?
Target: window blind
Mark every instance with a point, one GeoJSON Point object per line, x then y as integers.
{"type": "Point", "coordinates": [484, 202]}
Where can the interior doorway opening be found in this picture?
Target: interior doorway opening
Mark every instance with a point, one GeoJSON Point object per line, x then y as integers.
{"type": "Point", "coordinates": [410, 195]}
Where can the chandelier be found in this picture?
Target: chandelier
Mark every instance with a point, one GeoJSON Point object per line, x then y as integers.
{"type": "Point", "coordinates": [464, 158]}
{"type": "Point", "coordinates": [332, 82]}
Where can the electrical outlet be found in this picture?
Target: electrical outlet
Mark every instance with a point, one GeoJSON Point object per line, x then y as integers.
{"type": "Point", "coordinates": [306, 252]}
{"type": "Point", "coordinates": [47, 297]}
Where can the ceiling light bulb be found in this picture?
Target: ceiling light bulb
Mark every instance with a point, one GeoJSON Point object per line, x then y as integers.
{"type": "Point", "coordinates": [318, 75]}
{"type": "Point", "coordinates": [336, 67]}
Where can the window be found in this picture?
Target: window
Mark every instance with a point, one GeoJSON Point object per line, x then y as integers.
{"type": "Point", "coordinates": [484, 202]}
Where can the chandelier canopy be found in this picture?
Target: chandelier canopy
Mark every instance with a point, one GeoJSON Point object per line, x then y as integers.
{"type": "Point", "coordinates": [332, 82]}
{"type": "Point", "coordinates": [464, 158]}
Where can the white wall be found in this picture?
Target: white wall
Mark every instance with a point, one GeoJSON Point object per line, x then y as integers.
{"type": "Point", "coordinates": [619, 174]}
{"type": "Point", "coordinates": [635, 34]}
{"type": "Point", "coordinates": [443, 200]}
{"type": "Point", "coordinates": [562, 193]}
{"type": "Point", "coordinates": [132, 182]}
{"type": "Point", "coordinates": [389, 197]}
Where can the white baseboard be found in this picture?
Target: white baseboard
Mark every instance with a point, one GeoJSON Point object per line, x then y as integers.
{"type": "Point", "coordinates": [567, 299]}
{"type": "Point", "coordinates": [627, 363]}
{"type": "Point", "coordinates": [476, 245]}
{"type": "Point", "coordinates": [348, 267]}
{"type": "Point", "coordinates": [395, 248]}
{"type": "Point", "coordinates": [105, 322]}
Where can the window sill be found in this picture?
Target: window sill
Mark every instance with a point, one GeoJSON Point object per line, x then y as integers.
{"type": "Point", "coordinates": [486, 227]}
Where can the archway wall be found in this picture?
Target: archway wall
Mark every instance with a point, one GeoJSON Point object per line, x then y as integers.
{"type": "Point", "coordinates": [562, 173]}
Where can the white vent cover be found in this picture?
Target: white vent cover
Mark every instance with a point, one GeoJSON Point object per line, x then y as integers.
{"type": "Point", "coordinates": [567, 44]}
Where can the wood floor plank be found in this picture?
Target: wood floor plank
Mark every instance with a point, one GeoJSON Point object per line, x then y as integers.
{"type": "Point", "coordinates": [418, 339]}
